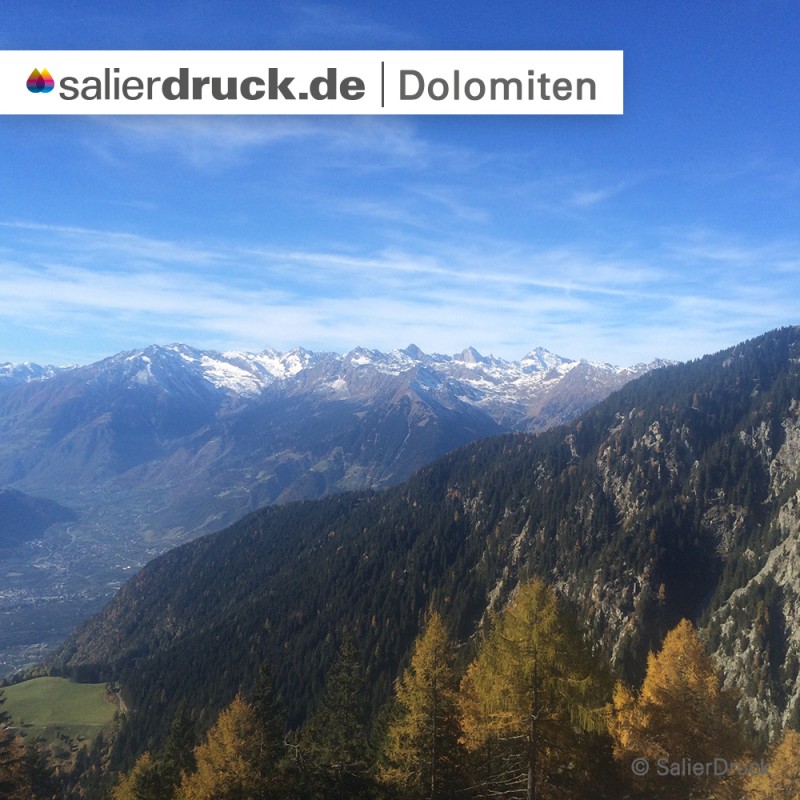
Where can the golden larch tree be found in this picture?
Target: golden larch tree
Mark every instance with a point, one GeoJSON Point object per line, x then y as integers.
{"type": "Point", "coordinates": [422, 750]}
{"type": "Point", "coordinates": [143, 781]}
{"type": "Point", "coordinates": [529, 697]}
{"type": "Point", "coordinates": [679, 723]}
{"type": "Point", "coordinates": [780, 779]}
{"type": "Point", "coordinates": [228, 761]}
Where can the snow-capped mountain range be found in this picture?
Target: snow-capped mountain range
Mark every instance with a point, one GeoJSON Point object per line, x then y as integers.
{"type": "Point", "coordinates": [16, 374]}
{"type": "Point", "coordinates": [206, 436]}
{"type": "Point", "coordinates": [227, 432]}
{"type": "Point", "coordinates": [504, 389]}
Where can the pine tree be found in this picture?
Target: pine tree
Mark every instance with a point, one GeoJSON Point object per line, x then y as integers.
{"type": "Point", "coordinates": [525, 698]}
{"type": "Point", "coordinates": [178, 756]}
{"type": "Point", "coordinates": [94, 779]}
{"type": "Point", "coordinates": [422, 750]}
{"type": "Point", "coordinates": [158, 778]}
{"type": "Point", "coordinates": [680, 716]}
{"type": "Point", "coordinates": [269, 724]}
{"type": "Point", "coordinates": [335, 741]}
{"type": "Point", "coordinates": [39, 773]}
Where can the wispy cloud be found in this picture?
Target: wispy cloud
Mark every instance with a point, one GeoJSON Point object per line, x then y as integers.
{"type": "Point", "coordinates": [707, 246]}
{"type": "Point", "coordinates": [586, 198]}
{"type": "Point", "coordinates": [501, 297]}
{"type": "Point", "coordinates": [343, 25]}
{"type": "Point", "coordinates": [214, 143]}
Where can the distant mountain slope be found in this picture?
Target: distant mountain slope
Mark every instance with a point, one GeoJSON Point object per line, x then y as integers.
{"type": "Point", "coordinates": [17, 374]}
{"type": "Point", "coordinates": [23, 517]}
{"type": "Point", "coordinates": [675, 497]}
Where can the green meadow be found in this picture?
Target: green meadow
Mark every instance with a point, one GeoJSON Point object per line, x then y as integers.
{"type": "Point", "coordinates": [59, 710]}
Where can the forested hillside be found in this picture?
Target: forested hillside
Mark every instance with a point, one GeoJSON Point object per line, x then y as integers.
{"type": "Point", "coordinates": [668, 500]}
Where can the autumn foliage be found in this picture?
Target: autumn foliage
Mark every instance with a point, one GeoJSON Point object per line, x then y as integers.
{"type": "Point", "coordinates": [422, 752]}
{"type": "Point", "coordinates": [681, 717]}
{"type": "Point", "coordinates": [530, 698]}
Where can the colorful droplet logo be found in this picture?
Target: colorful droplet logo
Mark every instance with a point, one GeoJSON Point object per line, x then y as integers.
{"type": "Point", "coordinates": [40, 82]}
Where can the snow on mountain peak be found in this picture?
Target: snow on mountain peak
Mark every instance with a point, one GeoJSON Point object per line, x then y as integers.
{"type": "Point", "coordinates": [483, 381]}
{"type": "Point", "coordinates": [469, 356]}
{"type": "Point", "coordinates": [541, 360]}
{"type": "Point", "coordinates": [413, 352]}
{"type": "Point", "coordinates": [14, 374]}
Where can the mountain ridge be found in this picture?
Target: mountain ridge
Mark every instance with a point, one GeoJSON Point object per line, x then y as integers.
{"type": "Point", "coordinates": [245, 372]}
{"type": "Point", "coordinates": [667, 500]}
{"type": "Point", "coordinates": [98, 421]}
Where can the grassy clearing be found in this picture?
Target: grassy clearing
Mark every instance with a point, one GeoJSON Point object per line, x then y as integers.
{"type": "Point", "coordinates": [59, 710]}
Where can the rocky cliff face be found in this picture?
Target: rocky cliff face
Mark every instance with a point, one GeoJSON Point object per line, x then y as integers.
{"type": "Point", "coordinates": [756, 630]}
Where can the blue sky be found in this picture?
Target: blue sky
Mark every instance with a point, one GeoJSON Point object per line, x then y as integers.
{"type": "Point", "coordinates": [670, 231]}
